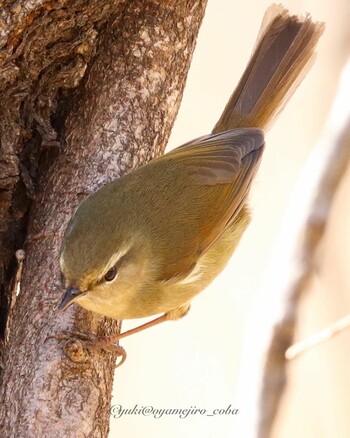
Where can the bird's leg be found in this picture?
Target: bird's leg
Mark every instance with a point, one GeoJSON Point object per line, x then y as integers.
{"type": "Point", "coordinates": [107, 343]}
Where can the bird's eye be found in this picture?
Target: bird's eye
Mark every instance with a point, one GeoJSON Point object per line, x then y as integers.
{"type": "Point", "coordinates": [111, 274]}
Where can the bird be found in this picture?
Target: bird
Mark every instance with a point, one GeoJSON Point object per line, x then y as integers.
{"type": "Point", "coordinates": [150, 241]}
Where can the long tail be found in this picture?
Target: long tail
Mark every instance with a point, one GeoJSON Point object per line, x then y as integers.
{"type": "Point", "coordinates": [283, 52]}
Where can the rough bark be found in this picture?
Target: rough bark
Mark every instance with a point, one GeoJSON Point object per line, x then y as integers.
{"type": "Point", "coordinates": [45, 48]}
{"type": "Point", "coordinates": [131, 59]}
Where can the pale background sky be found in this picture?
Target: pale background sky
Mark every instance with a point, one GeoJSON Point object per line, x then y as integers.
{"type": "Point", "coordinates": [198, 361]}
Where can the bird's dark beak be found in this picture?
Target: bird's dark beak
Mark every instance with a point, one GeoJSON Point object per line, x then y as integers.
{"type": "Point", "coordinates": [69, 297]}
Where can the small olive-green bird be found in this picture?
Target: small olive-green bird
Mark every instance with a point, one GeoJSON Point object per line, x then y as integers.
{"type": "Point", "coordinates": [150, 241]}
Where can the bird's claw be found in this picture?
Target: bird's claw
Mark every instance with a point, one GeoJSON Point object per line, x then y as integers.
{"type": "Point", "coordinates": [93, 343]}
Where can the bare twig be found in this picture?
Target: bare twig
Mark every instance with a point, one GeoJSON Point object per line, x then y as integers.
{"type": "Point", "coordinates": [324, 335]}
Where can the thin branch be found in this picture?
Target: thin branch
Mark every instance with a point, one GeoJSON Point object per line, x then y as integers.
{"type": "Point", "coordinates": [323, 335]}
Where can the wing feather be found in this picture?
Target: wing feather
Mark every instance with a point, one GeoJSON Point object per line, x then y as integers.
{"type": "Point", "coordinates": [223, 166]}
{"type": "Point", "coordinates": [217, 158]}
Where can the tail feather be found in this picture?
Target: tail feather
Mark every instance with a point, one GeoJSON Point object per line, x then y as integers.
{"type": "Point", "coordinates": [283, 52]}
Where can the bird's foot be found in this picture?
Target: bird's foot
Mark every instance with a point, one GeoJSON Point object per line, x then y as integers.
{"type": "Point", "coordinates": [76, 342]}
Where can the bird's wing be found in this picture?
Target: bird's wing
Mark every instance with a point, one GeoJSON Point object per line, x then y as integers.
{"type": "Point", "coordinates": [221, 158]}
{"type": "Point", "coordinates": [223, 166]}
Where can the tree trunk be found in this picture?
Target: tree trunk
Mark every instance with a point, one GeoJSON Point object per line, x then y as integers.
{"type": "Point", "coordinates": [58, 144]}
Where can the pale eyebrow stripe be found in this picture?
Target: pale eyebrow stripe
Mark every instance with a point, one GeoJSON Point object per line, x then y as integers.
{"type": "Point", "coordinates": [116, 257]}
